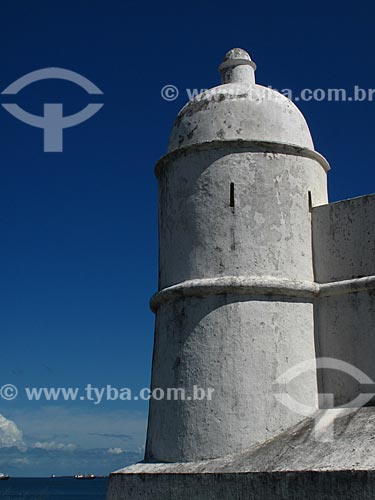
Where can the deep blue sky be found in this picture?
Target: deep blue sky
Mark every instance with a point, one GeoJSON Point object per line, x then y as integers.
{"type": "Point", "coordinates": [78, 229]}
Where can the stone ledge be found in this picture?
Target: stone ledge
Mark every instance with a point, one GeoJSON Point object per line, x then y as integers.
{"type": "Point", "coordinates": [250, 146]}
{"type": "Point", "coordinates": [290, 485]}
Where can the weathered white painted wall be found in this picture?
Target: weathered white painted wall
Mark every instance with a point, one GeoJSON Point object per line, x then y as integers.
{"type": "Point", "coordinates": [344, 249]}
{"type": "Point", "coordinates": [345, 330]}
{"type": "Point", "coordinates": [344, 239]}
{"type": "Point", "coordinates": [266, 233]}
{"type": "Point", "coordinates": [237, 345]}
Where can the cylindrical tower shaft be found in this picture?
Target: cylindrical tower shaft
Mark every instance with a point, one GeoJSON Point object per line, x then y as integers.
{"type": "Point", "coordinates": [236, 287]}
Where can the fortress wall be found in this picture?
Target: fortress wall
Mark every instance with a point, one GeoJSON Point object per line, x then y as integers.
{"type": "Point", "coordinates": [344, 249]}
{"type": "Point", "coordinates": [344, 239]}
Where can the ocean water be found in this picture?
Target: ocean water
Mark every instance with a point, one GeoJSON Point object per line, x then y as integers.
{"type": "Point", "coordinates": [53, 489]}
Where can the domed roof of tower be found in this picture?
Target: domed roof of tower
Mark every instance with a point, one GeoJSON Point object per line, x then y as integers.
{"type": "Point", "coordinates": [240, 110]}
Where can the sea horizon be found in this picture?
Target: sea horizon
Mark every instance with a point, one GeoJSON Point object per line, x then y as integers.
{"type": "Point", "coordinates": [53, 488]}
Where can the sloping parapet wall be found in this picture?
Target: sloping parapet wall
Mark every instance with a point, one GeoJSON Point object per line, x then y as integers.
{"type": "Point", "coordinates": [338, 463]}
{"type": "Point", "coordinates": [344, 262]}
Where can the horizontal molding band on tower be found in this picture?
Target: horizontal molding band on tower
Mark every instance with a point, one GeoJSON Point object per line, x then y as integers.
{"type": "Point", "coordinates": [347, 286]}
{"type": "Point", "coordinates": [247, 146]}
{"type": "Point", "coordinates": [239, 285]}
{"type": "Point", "coordinates": [247, 285]}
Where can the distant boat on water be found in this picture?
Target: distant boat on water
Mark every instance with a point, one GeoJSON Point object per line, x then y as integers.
{"type": "Point", "coordinates": [3, 477]}
{"type": "Point", "coordinates": [84, 476]}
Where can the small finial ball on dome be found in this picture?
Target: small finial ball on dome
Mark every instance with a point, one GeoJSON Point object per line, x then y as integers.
{"type": "Point", "coordinates": [237, 67]}
{"type": "Point", "coordinates": [237, 54]}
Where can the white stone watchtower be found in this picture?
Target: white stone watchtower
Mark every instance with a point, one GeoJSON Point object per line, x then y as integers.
{"type": "Point", "coordinates": [235, 303]}
{"type": "Point", "coordinates": [258, 273]}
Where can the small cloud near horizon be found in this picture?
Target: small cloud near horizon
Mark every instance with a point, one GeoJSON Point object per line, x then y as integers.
{"type": "Point", "coordinates": [116, 451]}
{"type": "Point", "coordinates": [52, 445]}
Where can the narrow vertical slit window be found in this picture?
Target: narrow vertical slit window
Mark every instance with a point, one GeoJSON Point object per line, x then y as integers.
{"type": "Point", "coordinates": [231, 195]}
{"type": "Point", "coordinates": [310, 200]}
